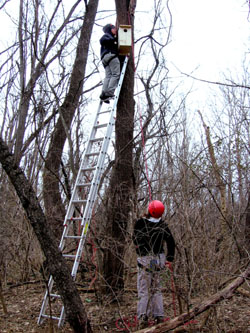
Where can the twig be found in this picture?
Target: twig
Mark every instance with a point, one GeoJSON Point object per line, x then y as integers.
{"type": "Point", "coordinates": [233, 85]}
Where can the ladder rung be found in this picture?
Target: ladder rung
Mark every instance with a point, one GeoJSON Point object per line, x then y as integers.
{"type": "Point", "coordinates": [105, 111]}
{"type": "Point", "coordinates": [78, 201]}
{"type": "Point", "coordinates": [69, 255]}
{"type": "Point", "coordinates": [73, 237]}
{"type": "Point", "coordinates": [93, 154]}
{"type": "Point", "coordinates": [88, 169]}
{"type": "Point", "coordinates": [97, 139]}
{"type": "Point", "coordinates": [100, 125]}
{"type": "Point", "coordinates": [55, 295]}
{"type": "Point", "coordinates": [84, 185]}
{"type": "Point", "coordinates": [72, 219]}
{"type": "Point", "coordinates": [52, 317]}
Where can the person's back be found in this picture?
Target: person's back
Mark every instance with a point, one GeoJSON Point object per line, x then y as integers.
{"type": "Point", "coordinates": [149, 237]}
{"type": "Point", "coordinates": [150, 234]}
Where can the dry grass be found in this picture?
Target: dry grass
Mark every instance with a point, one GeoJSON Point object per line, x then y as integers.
{"type": "Point", "coordinates": [23, 305]}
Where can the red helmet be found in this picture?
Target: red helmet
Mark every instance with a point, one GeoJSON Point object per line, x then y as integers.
{"type": "Point", "coordinates": [156, 208]}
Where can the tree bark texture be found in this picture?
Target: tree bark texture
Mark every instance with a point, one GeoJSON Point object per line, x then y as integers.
{"type": "Point", "coordinates": [54, 208]}
{"type": "Point", "coordinates": [121, 183]}
{"type": "Point", "coordinates": [222, 295]}
{"type": "Point", "coordinates": [75, 312]}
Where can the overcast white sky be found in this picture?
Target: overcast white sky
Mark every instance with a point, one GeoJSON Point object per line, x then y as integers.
{"type": "Point", "coordinates": [210, 34]}
{"type": "Point", "coordinates": [208, 37]}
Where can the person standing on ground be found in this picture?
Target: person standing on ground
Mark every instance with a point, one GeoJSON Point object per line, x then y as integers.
{"type": "Point", "coordinates": [110, 61]}
{"type": "Point", "coordinates": [150, 234]}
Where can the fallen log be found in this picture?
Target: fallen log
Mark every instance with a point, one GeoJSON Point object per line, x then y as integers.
{"type": "Point", "coordinates": [223, 294]}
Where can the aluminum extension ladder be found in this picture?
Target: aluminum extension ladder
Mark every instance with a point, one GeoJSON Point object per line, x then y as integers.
{"type": "Point", "coordinates": [82, 200]}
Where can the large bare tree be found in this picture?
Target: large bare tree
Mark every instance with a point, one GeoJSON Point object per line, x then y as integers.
{"type": "Point", "coordinates": [121, 184]}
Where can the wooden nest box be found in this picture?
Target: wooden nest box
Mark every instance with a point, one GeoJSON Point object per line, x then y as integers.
{"type": "Point", "coordinates": [124, 39]}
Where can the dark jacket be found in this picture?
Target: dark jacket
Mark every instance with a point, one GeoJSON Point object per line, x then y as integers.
{"type": "Point", "coordinates": [108, 43]}
{"type": "Point", "coordinates": [149, 238]}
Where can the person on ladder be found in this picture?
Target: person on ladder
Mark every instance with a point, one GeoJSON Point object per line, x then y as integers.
{"type": "Point", "coordinates": [110, 61]}
{"type": "Point", "coordinates": [150, 234]}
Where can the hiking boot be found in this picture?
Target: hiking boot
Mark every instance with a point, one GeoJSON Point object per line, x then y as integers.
{"type": "Point", "coordinates": [158, 320]}
{"type": "Point", "coordinates": [143, 322]}
{"type": "Point", "coordinates": [105, 98]}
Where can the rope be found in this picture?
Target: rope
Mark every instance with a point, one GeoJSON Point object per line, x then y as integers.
{"type": "Point", "coordinates": [168, 264]}
{"type": "Point", "coordinates": [173, 292]}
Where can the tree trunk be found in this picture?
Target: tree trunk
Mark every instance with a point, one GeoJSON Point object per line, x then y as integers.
{"type": "Point", "coordinates": [54, 208]}
{"type": "Point", "coordinates": [121, 183]}
{"type": "Point", "coordinates": [75, 312]}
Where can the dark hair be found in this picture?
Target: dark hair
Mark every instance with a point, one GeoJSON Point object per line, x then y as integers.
{"type": "Point", "coordinates": [108, 27]}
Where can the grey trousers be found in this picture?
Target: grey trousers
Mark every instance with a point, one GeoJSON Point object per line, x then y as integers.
{"type": "Point", "coordinates": [150, 300]}
{"type": "Point", "coordinates": [112, 73]}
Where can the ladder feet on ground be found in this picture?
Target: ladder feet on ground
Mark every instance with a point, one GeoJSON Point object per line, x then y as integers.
{"type": "Point", "coordinates": [81, 205]}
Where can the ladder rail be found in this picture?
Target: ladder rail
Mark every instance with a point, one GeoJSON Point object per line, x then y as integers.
{"type": "Point", "coordinates": [45, 299]}
{"type": "Point", "coordinates": [110, 126]}
{"type": "Point", "coordinates": [103, 151]}
{"type": "Point", "coordinates": [89, 202]}
{"type": "Point", "coordinates": [70, 210]}
{"type": "Point", "coordinates": [101, 159]}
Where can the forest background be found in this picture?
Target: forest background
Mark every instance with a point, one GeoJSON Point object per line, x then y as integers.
{"type": "Point", "coordinates": [197, 159]}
